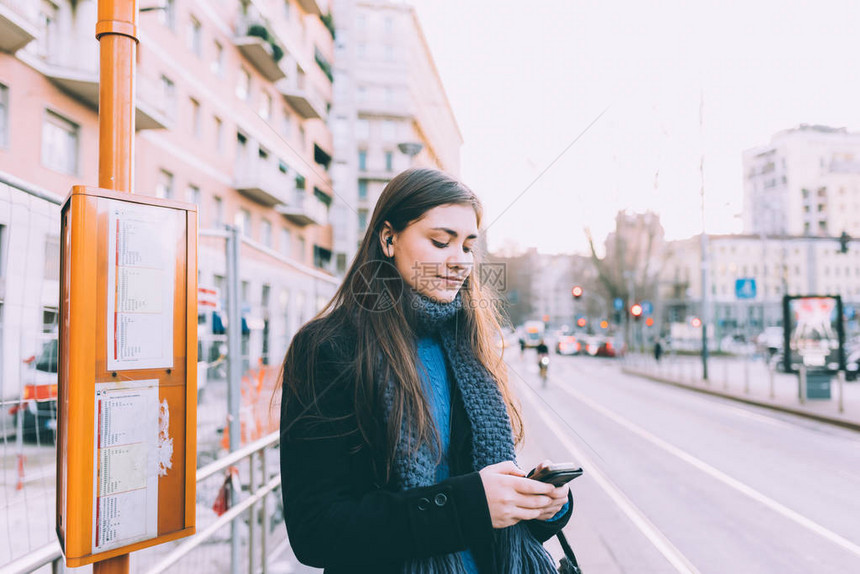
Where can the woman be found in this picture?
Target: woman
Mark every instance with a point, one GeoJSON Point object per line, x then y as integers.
{"type": "Point", "coordinates": [397, 424]}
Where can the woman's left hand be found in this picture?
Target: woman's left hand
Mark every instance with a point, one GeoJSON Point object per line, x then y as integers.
{"type": "Point", "coordinates": [557, 499]}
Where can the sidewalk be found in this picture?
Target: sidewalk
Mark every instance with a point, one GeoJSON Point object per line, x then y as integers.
{"type": "Point", "coordinates": [749, 381]}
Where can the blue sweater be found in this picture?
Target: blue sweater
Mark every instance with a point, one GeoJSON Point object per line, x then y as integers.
{"type": "Point", "coordinates": [437, 385]}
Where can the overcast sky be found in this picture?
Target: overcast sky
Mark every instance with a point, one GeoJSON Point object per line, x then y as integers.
{"type": "Point", "coordinates": [525, 79]}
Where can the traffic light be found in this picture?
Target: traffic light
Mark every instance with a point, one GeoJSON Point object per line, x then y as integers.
{"type": "Point", "coordinates": [636, 311]}
{"type": "Point", "coordinates": [581, 322]}
{"type": "Point", "coordinates": [844, 239]}
{"type": "Point", "coordinates": [696, 322]}
{"type": "Point", "coordinates": [576, 292]}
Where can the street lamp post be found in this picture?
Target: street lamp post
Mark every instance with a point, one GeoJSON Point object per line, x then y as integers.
{"type": "Point", "coordinates": [411, 149]}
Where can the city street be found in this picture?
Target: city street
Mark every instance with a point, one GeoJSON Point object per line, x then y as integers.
{"type": "Point", "coordinates": [680, 482]}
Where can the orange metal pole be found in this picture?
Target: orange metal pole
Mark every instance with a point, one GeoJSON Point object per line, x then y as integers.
{"type": "Point", "coordinates": [116, 32]}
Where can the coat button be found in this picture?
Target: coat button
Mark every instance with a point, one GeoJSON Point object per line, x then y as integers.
{"type": "Point", "coordinates": [423, 504]}
{"type": "Point", "coordinates": [440, 499]}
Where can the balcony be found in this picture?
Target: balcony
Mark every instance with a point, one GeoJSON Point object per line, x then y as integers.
{"type": "Point", "coordinates": [303, 98]}
{"type": "Point", "coordinates": [259, 46]}
{"type": "Point", "coordinates": [305, 209]}
{"type": "Point", "coordinates": [17, 25]}
{"type": "Point", "coordinates": [153, 109]}
{"type": "Point", "coordinates": [263, 182]}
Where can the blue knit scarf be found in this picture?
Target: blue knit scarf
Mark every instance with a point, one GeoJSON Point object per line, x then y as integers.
{"type": "Point", "coordinates": [517, 551]}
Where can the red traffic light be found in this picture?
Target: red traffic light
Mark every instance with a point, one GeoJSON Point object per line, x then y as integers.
{"type": "Point", "coordinates": [581, 322]}
{"type": "Point", "coordinates": [636, 310]}
{"type": "Point", "coordinates": [649, 322]}
{"type": "Point", "coordinates": [696, 322]}
{"type": "Point", "coordinates": [576, 292]}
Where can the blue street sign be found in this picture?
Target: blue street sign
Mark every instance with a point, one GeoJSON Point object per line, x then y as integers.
{"type": "Point", "coordinates": [647, 307]}
{"type": "Point", "coordinates": [619, 304]}
{"type": "Point", "coordinates": [745, 288]}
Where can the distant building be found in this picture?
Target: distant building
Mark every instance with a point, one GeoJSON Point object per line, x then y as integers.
{"type": "Point", "coordinates": [806, 181]}
{"type": "Point", "coordinates": [784, 265]}
{"type": "Point", "coordinates": [388, 96]}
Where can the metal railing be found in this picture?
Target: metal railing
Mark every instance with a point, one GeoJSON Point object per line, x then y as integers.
{"type": "Point", "coordinates": [260, 485]}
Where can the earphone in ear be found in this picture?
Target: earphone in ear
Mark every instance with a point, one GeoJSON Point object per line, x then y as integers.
{"type": "Point", "coordinates": [388, 241]}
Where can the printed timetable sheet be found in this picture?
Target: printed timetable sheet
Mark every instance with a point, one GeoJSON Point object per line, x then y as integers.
{"type": "Point", "coordinates": [125, 485]}
{"type": "Point", "coordinates": [141, 277]}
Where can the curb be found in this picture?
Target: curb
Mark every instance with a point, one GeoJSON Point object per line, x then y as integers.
{"type": "Point", "coordinates": [837, 421]}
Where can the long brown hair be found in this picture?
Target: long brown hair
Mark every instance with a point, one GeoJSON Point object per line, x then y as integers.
{"type": "Point", "coordinates": [356, 308]}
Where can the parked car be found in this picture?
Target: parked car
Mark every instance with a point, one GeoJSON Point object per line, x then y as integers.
{"type": "Point", "coordinates": [38, 410]}
{"type": "Point", "coordinates": [567, 345]}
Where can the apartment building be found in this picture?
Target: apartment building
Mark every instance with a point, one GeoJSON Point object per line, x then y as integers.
{"type": "Point", "coordinates": [805, 182]}
{"type": "Point", "coordinates": [231, 110]}
{"type": "Point", "coordinates": [390, 111]}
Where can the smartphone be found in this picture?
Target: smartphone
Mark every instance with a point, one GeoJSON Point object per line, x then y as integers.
{"type": "Point", "coordinates": [556, 474]}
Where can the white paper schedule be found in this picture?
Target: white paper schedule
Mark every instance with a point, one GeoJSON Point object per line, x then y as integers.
{"type": "Point", "coordinates": [125, 486]}
{"type": "Point", "coordinates": [141, 277]}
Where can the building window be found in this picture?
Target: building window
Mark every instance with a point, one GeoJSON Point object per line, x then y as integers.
{"type": "Point", "coordinates": [217, 65]}
{"type": "Point", "coordinates": [362, 220]}
{"type": "Point", "coordinates": [362, 129]}
{"type": "Point", "coordinates": [287, 10]}
{"type": "Point", "coordinates": [195, 118]}
{"type": "Point", "coordinates": [301, 247]}
{"type": "Point", "coordinates": [219, 134]}
{"type": "Point", "coordinates": [362, 160]}
{"type": "Point", "coordinates": [265, 110]}
{"type": "Point", "coordinates": [286, 242]}
{"type": "Point", "coordinates": [243, 222]}
{"type": "Point", "coordinates": [389, 130]}
{"type": "Point", "coordinates": [60, 143]}
{"type": "Point", "coordinates": [389, 96]}
{"type": "Point", "coordinates": [389, 53]}
{"type": "Point", "coordinates": [361, 96]}
{"type": "Point", "coordinates": [4, 116]}
{"type": "Point", "coordinates": [168, 93]}
{"type": "Point", "coordinates": [362, 189]}
{"type": "Point", "coordinates": [195, 198]}
{"type": "Point", "coordinates": [266, 232]}
{"type": "Point", "coordinates": [243, 87]}
{"type": "Point", "coordinates": [164, 187]}
{"type": "Point", "coordinates": [302, 140]}
{"type": "Point", "coordinates": [219, 211]}
{"type": "Point", "coordinates": [167, 14]}
{"type": "Point", "coordinates": [287, 124]}
{"type": "Point", "coordinates": [389, 24]}
{"type": "Point", "coordinates": [341, 263]}
{"type": "Point", "coordinates": [195, 34]}
{"type": "Point", "coordinates": [389, 161]}
{"type": "Point", "coordinates": [361, 50]}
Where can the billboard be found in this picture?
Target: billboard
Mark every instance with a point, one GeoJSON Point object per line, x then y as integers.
{"type": "Point", "coordinates": [814, 333]}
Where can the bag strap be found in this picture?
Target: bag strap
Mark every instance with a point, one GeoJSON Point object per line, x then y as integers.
{"type": "Point", "coordinates": [568, 553]}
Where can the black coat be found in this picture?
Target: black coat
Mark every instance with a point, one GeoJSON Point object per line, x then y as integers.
{"type": "Point", "coordinates": [341, 517]}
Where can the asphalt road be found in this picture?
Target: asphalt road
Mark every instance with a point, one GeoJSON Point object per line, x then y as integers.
{"type": "Point", "coordinates": [676, 481]}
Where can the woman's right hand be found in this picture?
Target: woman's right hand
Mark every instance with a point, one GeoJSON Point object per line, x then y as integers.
{"type": "Point", "coordinates": [511, 497]}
